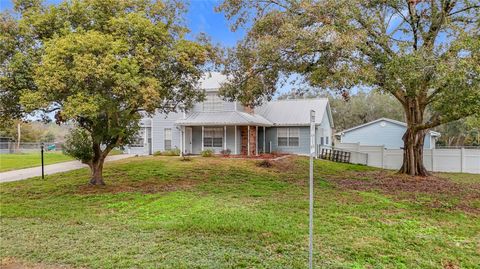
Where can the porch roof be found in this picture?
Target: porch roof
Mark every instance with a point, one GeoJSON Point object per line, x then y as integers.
{"type": "Point", "coordinates": [228, 118]}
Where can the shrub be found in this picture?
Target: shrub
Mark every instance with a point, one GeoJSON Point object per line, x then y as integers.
{"type": "Point", "coordinates": [170, 152]}
{"type": "Point", "coordinates": [78, 144]}
{"type": "Point", "coordinates": [207, 153]}
{"type": "Point", "coordinates": [264, 163]}
{"type": "Point", "coordinates": [226, 152]}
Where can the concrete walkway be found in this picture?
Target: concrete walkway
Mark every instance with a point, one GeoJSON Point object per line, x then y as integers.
{"type": "Point", "coordinates": [21, 174]}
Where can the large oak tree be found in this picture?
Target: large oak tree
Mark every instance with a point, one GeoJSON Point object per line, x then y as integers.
{"type": "Point", "coordinates": [100, 64]}
{"type": "Point", "coordinates": [424, 53]}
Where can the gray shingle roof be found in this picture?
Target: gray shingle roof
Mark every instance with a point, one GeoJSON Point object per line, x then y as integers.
{"type": "Point", "coordinates": [293, 112]}
{"type": "Point", "coordinates": [223, 118]}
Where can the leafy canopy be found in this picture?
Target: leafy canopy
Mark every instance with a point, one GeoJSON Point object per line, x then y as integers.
{"type": "Point", "coordinates": [100, 63]}
{"type": "Point", "coordinates": [424, 53]}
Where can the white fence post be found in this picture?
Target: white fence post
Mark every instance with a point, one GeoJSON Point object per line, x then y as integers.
{"type": "Point", "coordinates": [433, 159]}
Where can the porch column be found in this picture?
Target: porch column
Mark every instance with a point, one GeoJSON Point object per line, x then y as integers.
{"type": "Point", "coordinates": [248, 140]}
{"type": "Point", "coordinates": [264, 140]}
{"type": "Point", "coordinates": [203, 129]}
{"type": "Point", "coordinates": [236, 139]}
{"type": "Point", "coordinates": [225, 137]}
{"type": "Point", "coordinates": [256, 140]}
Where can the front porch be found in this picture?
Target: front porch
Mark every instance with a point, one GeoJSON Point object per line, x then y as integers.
{"type": "Point", "coordinates": [247, 140]}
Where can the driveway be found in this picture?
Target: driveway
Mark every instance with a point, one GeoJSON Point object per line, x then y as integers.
{"type": "Point", "coordinates": [21, 174]}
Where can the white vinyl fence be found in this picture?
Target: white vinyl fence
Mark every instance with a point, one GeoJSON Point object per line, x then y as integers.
{"type": "Point", "coordinates": [437, 160]}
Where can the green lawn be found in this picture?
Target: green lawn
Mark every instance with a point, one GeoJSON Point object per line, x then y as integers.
{"type": "Point", "coordinates": [161, 212]}
{"type": "Point", "coordinates": [25, 160]}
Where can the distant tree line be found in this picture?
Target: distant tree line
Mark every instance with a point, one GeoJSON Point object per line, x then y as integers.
{"type": "Point", "coordinates": [363, 107]}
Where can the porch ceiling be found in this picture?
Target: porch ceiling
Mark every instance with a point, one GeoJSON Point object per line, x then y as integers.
{"type": "Point", "coordinates": [228, 118]}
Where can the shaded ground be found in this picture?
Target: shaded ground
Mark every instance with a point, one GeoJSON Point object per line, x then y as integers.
{"type": "Point", "coordinates": [162, 212]}
{"type": "Point", "coordinates": [436, 191]}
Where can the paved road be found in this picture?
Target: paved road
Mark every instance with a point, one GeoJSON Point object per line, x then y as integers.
{"type": "Point", "coordinates": [21, 174]}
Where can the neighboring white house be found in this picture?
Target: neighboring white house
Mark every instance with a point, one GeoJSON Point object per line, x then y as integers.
{"type": "Point", "coordinates": [386, 132]}
{"type": "Point", "coordinates": [277, 126]}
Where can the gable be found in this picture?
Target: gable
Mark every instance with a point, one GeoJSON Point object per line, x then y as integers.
{"type": "Point", "coordinates": [293, 112]}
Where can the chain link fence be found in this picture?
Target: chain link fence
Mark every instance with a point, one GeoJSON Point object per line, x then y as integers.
{"type": "Point", "coordinates": [28, 147]}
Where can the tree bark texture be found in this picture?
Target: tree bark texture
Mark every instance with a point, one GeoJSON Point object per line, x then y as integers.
{"type": "Point", "coordinates": [413, 140]}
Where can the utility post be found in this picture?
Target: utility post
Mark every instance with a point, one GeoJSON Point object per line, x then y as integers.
{"type": "Point", "coordinates": [41, 151]}
{"type": "Point", "coordinates": [312, 153]}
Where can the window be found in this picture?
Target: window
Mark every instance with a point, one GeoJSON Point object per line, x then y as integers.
{"type": "Point", "coordinates": [213, 137]}
{"type": "Point", "coordinates": [326, 140]}
{"type": "Point", "coordinates": [139, 139]}
{"type": "Point", "coordinates": [321, 140]}
{"type": "Point", "coordinates": [288, 137]}
{"type": "Point", "coordinates": [167, 138]}
{"type": "Point", "coordinates": [282, 134]}
{"type": "Point", "coordinates": [212, 103]}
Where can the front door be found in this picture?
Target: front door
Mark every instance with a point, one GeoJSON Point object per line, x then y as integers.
{"type": "Point", "coordinates": [188, 140]}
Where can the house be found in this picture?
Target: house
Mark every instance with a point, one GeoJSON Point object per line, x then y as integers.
{"type": "Point", "coordinates": [277, 126]}
{"type": "Point", "coordinates": [382, 131]}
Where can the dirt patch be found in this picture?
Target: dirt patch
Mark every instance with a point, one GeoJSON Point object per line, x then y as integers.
{"type": "Point", "coordinates": [440, 191]}
{"type": "Point", "coordinates": [266, 156]}
{"type": "Point", "coordinates": [146, 187]}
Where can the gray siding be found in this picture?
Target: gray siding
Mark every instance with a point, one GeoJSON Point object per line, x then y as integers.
{"type": "Point", "coordinates": [390, 135]}
{"type": "Point", "coordinates": [159, 123]}
{"type": "Point", "coordinates": [304, 141]}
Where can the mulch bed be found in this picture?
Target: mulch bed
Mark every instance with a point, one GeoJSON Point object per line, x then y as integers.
{"type": "Point", "coordinates": [441, 190]}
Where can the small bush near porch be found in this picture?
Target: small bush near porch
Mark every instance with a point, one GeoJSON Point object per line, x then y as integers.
{"type": "Point", "coordinates": [161, 212]}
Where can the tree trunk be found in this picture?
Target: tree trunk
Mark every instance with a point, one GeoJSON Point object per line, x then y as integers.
{"type": "Point", "coordinates": [96, 164]}
{"type": "Point", "coordinates": [413, 153]}
{"type": "Point", "coordinates": [413, 140]}
{"type": "Point", "coordinates": [97, 172]}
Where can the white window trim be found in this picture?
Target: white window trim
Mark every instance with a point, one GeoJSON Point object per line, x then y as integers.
{"type": "Point", "coordinates": [206, 129]}
{"type": "Point", "coordinates": [288, 137]}
{"type": "Point", "coordinates": [165, 138]}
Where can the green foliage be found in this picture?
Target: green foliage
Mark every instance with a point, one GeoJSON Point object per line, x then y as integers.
{"type": "Point", "coordinates": [338, 45]}
{"type": "Point", "coordinates": [101, 64]}
{"type": "Point", "coordinates": [164, 213]}
{"type": "Point", "coordinates": [171, 152]}
{"type": "Point", "coordinates": [78, 145]}
{"type": "Point", "coordinates": [206, 153]}
{"type": "Point", "coordinates": [423, 53]}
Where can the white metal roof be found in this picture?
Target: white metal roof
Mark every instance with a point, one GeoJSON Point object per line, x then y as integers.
{"type": "Point", "coordinates": [212, 80]}
{"type": "Point", "coordinates": [432, 133]}
{"type": "Point", "coordinates": [223, 118]}
{"type": "Point", "coordinates": [294, 111]}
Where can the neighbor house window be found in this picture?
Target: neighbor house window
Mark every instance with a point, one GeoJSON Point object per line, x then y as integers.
{"type": "Point", "coordinates": [139, 139]}
{"type": "Point", "coordinates": [321, 140]}
{"type": "Point", "coordinates": [213, 137]}
{"type": "Point", "coordinates": [288, 137]}
{"type": "Point", "coordinates": [326, 140]}
{"type": "Point", "coordinates": [212, 103]}
{"type": "Point", "coordinates": [168, 138]}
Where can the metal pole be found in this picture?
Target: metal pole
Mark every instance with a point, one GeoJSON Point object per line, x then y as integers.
{"type": "Point", "coordinates": [312, 152]}
{"type": "Point", "coordinates": [41, 150]}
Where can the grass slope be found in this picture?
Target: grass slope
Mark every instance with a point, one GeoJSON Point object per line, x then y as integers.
{"type": "Point", "coordinates": [25, 160]}
{"type": "Point", "coordinates": [160, 212]}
